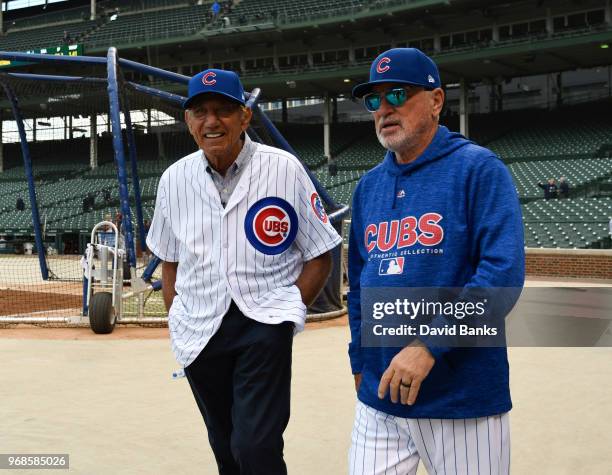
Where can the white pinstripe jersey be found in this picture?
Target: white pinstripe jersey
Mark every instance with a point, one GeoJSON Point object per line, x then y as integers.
{"type": "Point", "coordinates": [252, 251]}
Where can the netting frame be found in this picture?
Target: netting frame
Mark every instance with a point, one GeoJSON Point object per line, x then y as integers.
{"type": "Point", "coordinates": [118, 103]}
{"type": "Point", "coordinates": [113, 65]}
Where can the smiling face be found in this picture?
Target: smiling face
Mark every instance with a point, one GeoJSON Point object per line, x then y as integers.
{"type": "Point", "coordinates": [216, 124]}
{"type": "Point", "coordinates": [411, 126]}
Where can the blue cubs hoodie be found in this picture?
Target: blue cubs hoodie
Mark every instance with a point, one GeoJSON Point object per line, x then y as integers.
{"type": "Point", "coordinates": [463, 229]}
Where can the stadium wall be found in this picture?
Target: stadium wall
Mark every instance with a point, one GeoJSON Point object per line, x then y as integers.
{"type": "Point", "coordinates": [561, 263]}
{"type": "Point", "coordinates": [572, 263]}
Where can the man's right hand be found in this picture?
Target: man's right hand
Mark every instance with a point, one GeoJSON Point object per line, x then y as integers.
{"type": "Point", "coordinates": [357, 381]}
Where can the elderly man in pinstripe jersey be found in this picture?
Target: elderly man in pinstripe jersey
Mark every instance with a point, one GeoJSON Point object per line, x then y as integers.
{"type": "Point", "coordinates": [246, 247]}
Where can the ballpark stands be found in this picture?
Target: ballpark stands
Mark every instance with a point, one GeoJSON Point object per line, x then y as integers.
{"type": "Point", "coordinates": [363, 155]}
{"type": "Point", "coordinates": [137, 22]}
{"type": "Point", "coordinates": [49, 36]}
{"type": "Point", "coordinates": [343, 193]}
{"type": "Point", "coordinates": [307, 140]}
{"type": "Point", "coordinates": [50, 18]}
{"type": "Point", "coordinates": [291, 12]}
{"type": "Point", "coordinates": [579, 172]}
{"type": "Point", "coordinates": [42, 170]}
{"type": "Point", "coordinates": [341, 178]}
{"type": "Point", "coordinates": [581, 221]}
{"type": "Point", "coordinates": [578, 130]}
{"type": "Point", "coordinates": [139, 27]}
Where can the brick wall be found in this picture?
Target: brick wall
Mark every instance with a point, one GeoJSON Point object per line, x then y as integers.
{"type": "Point", "coordinates": [576, 263]}
{"type": "Point", "coordinates": [573, 263]}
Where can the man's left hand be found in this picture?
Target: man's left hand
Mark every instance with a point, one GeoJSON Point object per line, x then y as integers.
{"type": "Point", "coordinates": [406, 372]}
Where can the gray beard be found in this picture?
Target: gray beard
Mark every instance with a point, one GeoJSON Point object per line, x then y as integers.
{"type": "Point", "coordinates": [395, 145]}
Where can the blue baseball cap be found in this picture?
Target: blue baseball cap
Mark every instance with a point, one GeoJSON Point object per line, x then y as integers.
{"type": "Point", "coordinates": [403, 66]}
{"type": "Point", "coordinates": [218, 81]}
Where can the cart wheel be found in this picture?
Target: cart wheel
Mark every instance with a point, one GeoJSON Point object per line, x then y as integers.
{"type": "Point", "coordinates": [101, 313]}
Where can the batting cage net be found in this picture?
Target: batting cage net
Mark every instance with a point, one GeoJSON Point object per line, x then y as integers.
{"type": "Point", "coordinates": [83, 144]}
{"type": "Point", "coordinates": [45, 157]}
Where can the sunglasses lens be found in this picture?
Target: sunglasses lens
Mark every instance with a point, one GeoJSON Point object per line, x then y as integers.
{"type": "Point", "coordinates": [396, 97]}
{"type": "Point", "coordinates": [372, 102]}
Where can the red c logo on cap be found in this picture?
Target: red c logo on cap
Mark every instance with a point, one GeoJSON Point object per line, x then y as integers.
{"type": "Point", "coordinates": [206, 78]}
{"type": "Point", "coordinates": [383, 65]}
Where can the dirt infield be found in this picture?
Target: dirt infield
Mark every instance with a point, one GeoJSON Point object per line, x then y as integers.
{"type": "Point", "coordinates": [123, 332]}
{"type": "Point", "coordinates": [22, 302]}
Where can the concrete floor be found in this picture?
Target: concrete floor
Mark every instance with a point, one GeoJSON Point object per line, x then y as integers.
{"type": "Point", "coordinates": [114, 408]}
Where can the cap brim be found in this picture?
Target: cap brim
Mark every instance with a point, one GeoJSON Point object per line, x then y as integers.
{"type": "Point", "coordinates": [189, 101]}
{"type": "Point", "coordinates": [362, 89]}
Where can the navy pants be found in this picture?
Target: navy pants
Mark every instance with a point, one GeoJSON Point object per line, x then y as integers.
{"type": "Point", "coordinates": [241, 382]}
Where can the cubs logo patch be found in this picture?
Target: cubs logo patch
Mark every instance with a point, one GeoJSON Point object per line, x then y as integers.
{"type": "Point", "coordinates": [209, 78]}
{"type": "Point", "coordinates": [393, 266]}
{"type": "Point", "coordinates": [317, 207]}
{"type": "Point", "coordinates": [271, 225]}
{"type": "Point", "coordinates": [383, 65]}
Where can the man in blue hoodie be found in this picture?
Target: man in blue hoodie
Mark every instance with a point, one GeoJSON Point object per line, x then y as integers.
{"type": "Point", "coordinates": [434, 214]}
